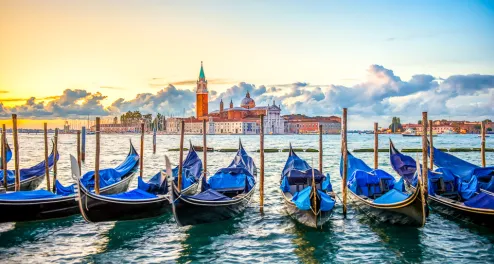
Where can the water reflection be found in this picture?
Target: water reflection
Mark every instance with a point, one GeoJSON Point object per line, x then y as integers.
{"type": "Point", "coordinates": [200, 240]}
{"type": "Point", "coordinates": [403, 241]}
{"type": "Point", "coordinates": [34, 231]}
{"type": "Point", "coordinates": [313, 245]}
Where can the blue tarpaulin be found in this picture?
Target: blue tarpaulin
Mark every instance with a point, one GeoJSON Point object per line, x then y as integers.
{"type": "Point", "coordinates": [64, 190]}
{"type": "Point", "coordinates": [404, 165]}
{"type": "Point", "coordinates": [211, 195]}
{"type": "Point", "coordinates": [297, 172]}
{"type": "Point", "coordinates": [7, 157]}
{"type": "Point", "coordinates": [393, 196]}
{"type": "Point", "coordinates": [481, 200]}
{"type": "Point", "coordinates": [362, 180]}
{"type": "Point", "coordinates": [111, 176]}
{"type": "Point", "coordinates": [154, 185]}
{"type": "Point", "coordinates": [191, 169]}
{"type": "Point", "coordinates": [239, 174]}
{"type": "Point", "coordinates": [28, 195]}
{"type": "Point", "coordinates": [136, 194]}
{"type": "Point", "coordinates": [36, 170]}
{"type": "Point", "coordinates": [465, 170]}
{"type": "Point", "coordinates": [302, 200]}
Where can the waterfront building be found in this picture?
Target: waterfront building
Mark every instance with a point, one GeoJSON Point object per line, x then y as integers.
{"type": "Point", "coordinates": [243, 119]}
{"type": "Point", "coordinates": [301, 124]}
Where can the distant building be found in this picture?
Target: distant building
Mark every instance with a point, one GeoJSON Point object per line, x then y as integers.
{"type": "Point", "coordinates": [116, 128]}
{"type": "Point", "coordinates": [301, 124]}
{"type": "Point", "coordinates": [233, 120]}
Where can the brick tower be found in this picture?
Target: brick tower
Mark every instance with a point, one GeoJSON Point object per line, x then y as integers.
{"type": "Point", "coordinates": [202, 95]}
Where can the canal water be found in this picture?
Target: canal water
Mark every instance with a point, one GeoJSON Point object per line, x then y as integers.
{"type": "Point", "coordinates": [252, 236]}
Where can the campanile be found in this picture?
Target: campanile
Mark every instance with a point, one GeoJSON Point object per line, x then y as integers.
{"type": "Point", "coordinates": [202, 99]}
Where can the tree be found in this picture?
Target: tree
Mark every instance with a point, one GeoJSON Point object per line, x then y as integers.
{"type": "Point", "coordinates": [477, 127]}
{"type": "Point", "coordinates": [489, 129]}
{"type": "Point", "coordinates": [488, 121]}
{"type": "Point", "coordinates": [419, 122]}
{"type": "Point", "coordinates": [395, 125]}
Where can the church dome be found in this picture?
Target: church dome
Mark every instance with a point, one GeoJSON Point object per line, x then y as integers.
{"type": "Point", "coordinates": [248, 102]}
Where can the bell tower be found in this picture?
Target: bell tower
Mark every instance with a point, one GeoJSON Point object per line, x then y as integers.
{"type": "Point", "coordinates": [202, 99]}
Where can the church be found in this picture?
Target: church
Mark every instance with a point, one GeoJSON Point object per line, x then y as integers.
{"type": "Point", "coordinates": [243, 119]}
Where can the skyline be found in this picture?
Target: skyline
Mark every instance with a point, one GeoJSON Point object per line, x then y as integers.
{"type": "Point", "coordinates": [380, 59]}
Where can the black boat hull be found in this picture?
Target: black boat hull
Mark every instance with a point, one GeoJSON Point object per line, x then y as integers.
{"type": "Point", "coordinates": [412, 211]}
{"type": "Point", "coordinates": [306, 217]}
{"type": "Point", "coordinates": [189, 211]}
{"type": "Point", "coordinates": [461, 212]}
{"type": "Point", "coordinates": [27, 184]}
{"type": "Point", "coordinates": [42, 209]}
{"type": "Point", "coordinates": [98, 208]}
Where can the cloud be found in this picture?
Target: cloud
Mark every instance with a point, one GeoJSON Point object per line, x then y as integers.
{"type": "Point", "coordinates": [72, 103]}
{"type": "Point", "coordinates": [381, 95]}
{"type": "Point", "coordinates": [168, 100]}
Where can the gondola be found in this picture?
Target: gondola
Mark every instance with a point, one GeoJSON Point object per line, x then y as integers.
{"type": "Point", "coordinates": [41, 204]}
{"type": "Point", "coordinates": [465, 170]}
{"type": "Point", "coordinates": [225, 195]}
{"type": "Point", "coordinates": [8, 157]}
{"type": "Point", "coordinates": [379, 195]}
{"type": "Point", "coordinates": [149, 199]}
{"type": "Point", "coordinates": [448, 194]}
{"type": "Point", "coordinates": [307, 193]}
{"type": "Point", "coordinates": [31, 177]}
{"type": "Point", "coordinates": [192, 172]}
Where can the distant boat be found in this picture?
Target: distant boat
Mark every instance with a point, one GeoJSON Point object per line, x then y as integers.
{"type": "Point", "coordinates": [413, 133]}
{"type": "Point", "coordinates": [449, 131]}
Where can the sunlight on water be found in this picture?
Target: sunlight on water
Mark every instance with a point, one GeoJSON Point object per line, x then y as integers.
{"type": "Point", "coordinates": [252, 236]}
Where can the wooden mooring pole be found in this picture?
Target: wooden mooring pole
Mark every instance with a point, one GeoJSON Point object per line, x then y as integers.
{"type": "Point", "coordinates": [261, 157]}
{"type": "Point", "coordinates": [345, 159]}
{"type": "Point", "coordinates": [55, 160]}
{"type": "Point", "coordinates": [431, 147]}
{"type": "Point", "coordinates": [181, 157]}
{"type": "Point", "coordinates": [79, 150]}
{"type": "Point", "coordinates": [376, 146]}
{"type": "Point", "coordinates": [17, 186]}
{"type": "Point", "coordinates": [482, 143]}
{"type": "Point", "coordinates": [141, 158]}
{"type": "Point", "coordinates": [47, 167]}
{"type": "Point", "coordinates": [204, 149]}
{"type": "Point", "coordinates": [4, 156]}
{"type": "Point", "coordinates": [154, 137]}
{"type": "Point", "coordinates": [320, 148]}
{"type": "Point", "coordinates": [83, 144]}
{"type": "Point", "coordinates": [425, 169]}
{"type": "Point", "coordinates": [96, 163]}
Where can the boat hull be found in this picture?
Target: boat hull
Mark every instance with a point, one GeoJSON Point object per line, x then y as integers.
{"type": "Point", "coordinates": [412, 211]}
{"type": "Point", "coordinates": [188, 211]}
{"type": "Point", "coordinates": [459, 211]}
{"type": "Point", "coordinates": [43, 209]}
{"type": "Point", "coordinates": [306, 217]}
{"type": "Point", "coordinates": [98, 208]}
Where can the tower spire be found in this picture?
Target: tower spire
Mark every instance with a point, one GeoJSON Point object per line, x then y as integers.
{"type": "Point", "coordinates": [201, 73]}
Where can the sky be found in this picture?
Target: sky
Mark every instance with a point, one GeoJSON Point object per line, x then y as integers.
{"type": "Point", "coordinates": [70, 59]}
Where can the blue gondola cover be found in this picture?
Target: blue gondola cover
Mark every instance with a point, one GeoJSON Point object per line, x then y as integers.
{"type": "Point", "coordinates": [153, 185]}
{"type": "Point", "coordinates": [36, 170]}
{"type": "Point", "coordinates": [482, 200]}
{"type": "Point", "coordinates": [191, 171]}
{"type": "Point", "coordinates": [136, 194]}
{"type": "Point", "coordinates": [211, 195]}
{"type": "Point", "coordinates": [8, 157]}
{"type": "Point", "coordinates": [64, 190]}
{"type": "Point", "coordinates": [28, 195]}
{"type": "Point", "coordinates": [111, 176]}
{"type": "Point", "coordinates": [465, 170]}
